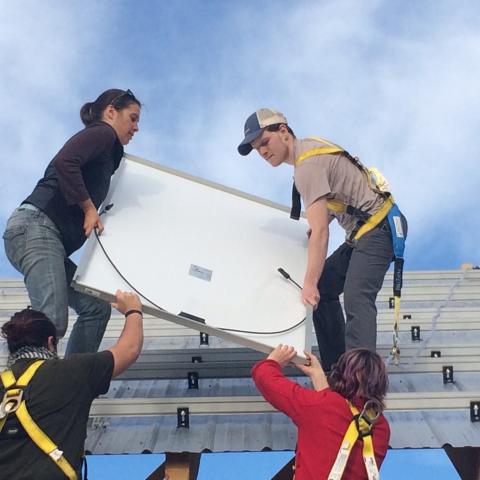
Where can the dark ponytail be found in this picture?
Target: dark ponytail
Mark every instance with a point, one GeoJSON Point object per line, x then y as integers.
{"type": "Point", "coordinates": [86, 113]}
{"type": "Point", "coordinates": [28, 328]}
{"type": "Point", "coordinates": [119, 99]}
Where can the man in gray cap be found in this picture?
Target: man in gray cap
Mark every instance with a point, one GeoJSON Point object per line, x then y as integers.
{"type": "Point", "coordinates": [333, 184]}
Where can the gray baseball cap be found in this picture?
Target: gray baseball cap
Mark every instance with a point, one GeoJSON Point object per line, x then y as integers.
{"type": "Point", "coordinates": [254, 125]}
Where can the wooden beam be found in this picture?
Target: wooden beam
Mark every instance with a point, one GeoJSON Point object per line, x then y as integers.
{"type": "Point", "coordinates": [158, 474]}
{"type": "Point", "coordinates": [182, 466]}
{"type": "Point", "coordinates": [286, 472]}
{"type": "Point", "coordinates": [466, 461]}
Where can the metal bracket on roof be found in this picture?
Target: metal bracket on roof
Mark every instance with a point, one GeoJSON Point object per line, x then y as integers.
{"type": "Point", "coordinates": [415, 330]}
{"type": "Point", "coordinates": [447, 374]}
{"type": "Point", "coordinates": [407, 316]}
{"type": "Point", "coordinates": [391, 302]}
{"type": "Point", "coordinates": [192, 378]}
{"type": "Point", "coordinates": [435, 353]}
{"type": "Point", "coordinates": [475, 411]}
{"type": "Point", "coordinates": [183, 417]}
{"type": "Point", "coordinates": [203, 338]}
{"type": "Point", "coordinates": [197, 359]}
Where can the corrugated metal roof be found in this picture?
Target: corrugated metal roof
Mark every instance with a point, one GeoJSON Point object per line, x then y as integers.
{"type": "Point", "coordinates": [445, 304]}
{"type": "Point", "coordinates": [268, 431]}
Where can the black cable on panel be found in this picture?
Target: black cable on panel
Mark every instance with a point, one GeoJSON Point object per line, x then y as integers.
{"type": "Point", "coordinates": [281, 270]}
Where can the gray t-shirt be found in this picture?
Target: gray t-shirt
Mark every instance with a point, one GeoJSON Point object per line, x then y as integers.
{"type": "Point", "coordinates": [335, 177]}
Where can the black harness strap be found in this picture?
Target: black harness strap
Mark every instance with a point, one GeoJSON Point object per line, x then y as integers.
{"type": "Point", "coordinates": [296, 203]}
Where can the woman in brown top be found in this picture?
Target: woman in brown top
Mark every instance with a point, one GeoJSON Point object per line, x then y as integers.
{"type": "Point", "coordinates": [61, 212]}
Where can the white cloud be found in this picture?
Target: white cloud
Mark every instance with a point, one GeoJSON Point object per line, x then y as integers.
{"type": "Point", "coordinates": [397, 87]}
{"type": "Point", "coordinates": [44, 49]}
{"type": "Point", "coordinates": [404, 99]}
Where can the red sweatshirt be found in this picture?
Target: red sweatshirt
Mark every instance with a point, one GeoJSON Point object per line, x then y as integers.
{"type": "Point", "coordinates": [322, 419]}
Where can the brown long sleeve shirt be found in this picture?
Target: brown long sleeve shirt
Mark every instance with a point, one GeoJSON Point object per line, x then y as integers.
{"type": "Point", "coordinates": [80, 170]}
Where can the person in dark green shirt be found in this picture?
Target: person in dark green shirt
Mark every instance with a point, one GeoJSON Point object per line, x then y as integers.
{"type": "Point", "coordinates": [59, 395]}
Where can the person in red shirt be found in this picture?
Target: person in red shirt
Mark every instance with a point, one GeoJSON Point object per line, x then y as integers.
{"type": "Point", "coordinates": [323, 415]}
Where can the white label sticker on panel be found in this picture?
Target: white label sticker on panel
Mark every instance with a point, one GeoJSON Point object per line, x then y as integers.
{"type": "Point", "coordinates": [200, 272]}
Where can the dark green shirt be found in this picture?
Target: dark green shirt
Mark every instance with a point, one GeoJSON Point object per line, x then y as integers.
{"type": "Point", "coordinates": [58, 399]}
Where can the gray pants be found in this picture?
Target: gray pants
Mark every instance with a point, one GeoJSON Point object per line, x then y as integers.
{"type": "Point", "coordinates": [34, 247]}
{"type": "Point", "coordinates": [358, 271]}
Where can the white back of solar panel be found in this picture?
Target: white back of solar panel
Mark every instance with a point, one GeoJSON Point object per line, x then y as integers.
{"type": "Point", "coordinates": [188, 245]}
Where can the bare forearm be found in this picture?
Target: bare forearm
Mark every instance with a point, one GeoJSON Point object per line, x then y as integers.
{"type": "Point", "coordinates": [92, 218]}
{"type": "Point", "coordinates": [128, 347]}
{"type": "Point", "coordinates": [319, 381]}
{"type": "Point", "coordinates": [314, 371]}
{"type": "Point", "coordinates": [317, 253]}
{"type": "Point", "coordinates": [132, 334]}
{"type": "Point", "coordinates": [317, 216]}
{"type": "Point", "coordinates": [87, 205]}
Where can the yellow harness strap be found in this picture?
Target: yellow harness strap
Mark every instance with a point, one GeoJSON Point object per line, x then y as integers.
{"type": "Point", "coordinates": [13, 396]}
{"type": "Point", "coordinates": [327, 147]}
{"type": "Point", "coordinates": [348, 442]}
{"type": "Point", "coordinates": [13, 402]}
{"type": "Point", "coordinates": [339, 207]}
{"type": "Point", "coordinates": [376, 218]}
{"type": "Point", "coordinates": [395, 350]}
{"type": "Point", "coordinates": [318, 151]}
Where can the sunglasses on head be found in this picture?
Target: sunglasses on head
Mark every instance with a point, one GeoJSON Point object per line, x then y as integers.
{"type": "Point", "coordinates": [128, 93]}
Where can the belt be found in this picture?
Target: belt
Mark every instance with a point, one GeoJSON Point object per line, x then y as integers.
{"type": "Point", "coordinates": [28, 206]}
{"type": "Point", "coordinates": [374, 220]}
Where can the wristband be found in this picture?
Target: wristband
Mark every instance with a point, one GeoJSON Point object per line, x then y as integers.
{"type": "Point", "coordinates": [133, 311]}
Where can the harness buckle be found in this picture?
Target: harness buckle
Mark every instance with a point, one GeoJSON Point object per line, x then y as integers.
{"type": "Point", "coordinates": [363, 428]}
{"type": "Point", "coordinates": [11, 401]}
{"type": "Point", "coordinates": [365, 420]}
{"type": "Point", "coordinates": [395, 350]}
{"type": "Point", "coordinates": [395, 355]}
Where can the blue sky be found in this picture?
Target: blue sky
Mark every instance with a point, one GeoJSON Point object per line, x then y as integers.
{"type": "Point", "coordinates": [392, 81]}
{"type": "Point", "coordinates": [395, 82]}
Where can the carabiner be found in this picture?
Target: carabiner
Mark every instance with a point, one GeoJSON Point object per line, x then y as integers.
{"type": "Point", "coordinates": [11, 401]}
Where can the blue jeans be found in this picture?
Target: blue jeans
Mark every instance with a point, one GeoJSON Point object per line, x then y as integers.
{"type": "Point", "coordinates": [34, 247]}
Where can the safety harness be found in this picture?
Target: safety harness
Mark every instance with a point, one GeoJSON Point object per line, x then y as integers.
{"type": "Point", "coordinates": [14, 402]}
{"type": "Point", "coordinates": [360, 427]}
{"type": "Point", "coordinates": [376, 181]}
{"type": "Point", "coordinates": [365, 221]}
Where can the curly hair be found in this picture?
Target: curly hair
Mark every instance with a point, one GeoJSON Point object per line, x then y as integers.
{"type": "Point", "coordinates": [360, 373]}
{"type": "Point", "coordinates": [28, 328]}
